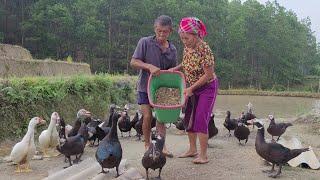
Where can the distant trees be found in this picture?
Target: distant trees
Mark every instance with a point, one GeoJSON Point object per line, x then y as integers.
{"type": "Point", "coordinates": [255, 45]}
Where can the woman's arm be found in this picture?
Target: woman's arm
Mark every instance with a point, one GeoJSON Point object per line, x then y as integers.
{"type": "Point", "coordinates": [208, 75]}
{"type": "Point", "coordinates": [139, 64]}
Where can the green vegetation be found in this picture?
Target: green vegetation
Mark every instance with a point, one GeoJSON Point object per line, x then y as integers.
{"type": "Point", "coordinates": [255, 45]}
{"type": "Point", "coordinates": [22, 99]}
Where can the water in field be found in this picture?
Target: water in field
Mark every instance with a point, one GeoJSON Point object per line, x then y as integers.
{"type": "Point", "coordinates": [284, 107]}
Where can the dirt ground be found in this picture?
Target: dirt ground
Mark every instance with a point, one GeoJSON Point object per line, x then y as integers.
{"type": "Point", "coordinates": [228, 160]}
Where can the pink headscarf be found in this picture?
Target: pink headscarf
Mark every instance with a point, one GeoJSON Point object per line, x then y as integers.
{"type": "Point", "coordinates": [193, 25]}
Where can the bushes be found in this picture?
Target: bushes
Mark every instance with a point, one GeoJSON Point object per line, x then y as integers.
{"type": "Point", "coordinates": [21, 99]}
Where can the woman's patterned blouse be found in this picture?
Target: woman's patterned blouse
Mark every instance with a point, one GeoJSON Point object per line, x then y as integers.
{"type": "Point", "coordinates": [194, 61]}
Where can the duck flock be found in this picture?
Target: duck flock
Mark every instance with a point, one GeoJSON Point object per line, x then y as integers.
{"type": "Point", "coordinates": [71, 141]}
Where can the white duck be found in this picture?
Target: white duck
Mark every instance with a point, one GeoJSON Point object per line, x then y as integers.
{"type": "Point", "coordinates": [49, 138]}
{"type": "Point", "coordinates": [24, 150]}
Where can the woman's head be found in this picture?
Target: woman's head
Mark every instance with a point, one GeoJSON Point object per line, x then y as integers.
{"type": "Point", "coordinates": [163, 27]}
{"type": "Point", "coordinates": [193, 26]}
{"type": "Point", "coordinates": [189, 40]}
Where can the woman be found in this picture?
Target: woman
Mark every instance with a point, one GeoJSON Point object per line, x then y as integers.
{"type": "Point", "coordinates": [198, 67]}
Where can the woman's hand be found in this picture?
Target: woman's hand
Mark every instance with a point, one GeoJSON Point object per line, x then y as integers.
{"type": "Point", "coordinates": [188, 92]}
{"type": "Point", "coordinates": [154, 70]}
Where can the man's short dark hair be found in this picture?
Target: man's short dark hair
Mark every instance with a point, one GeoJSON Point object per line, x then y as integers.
{"type": "Point", "coordinates": [163, 20]}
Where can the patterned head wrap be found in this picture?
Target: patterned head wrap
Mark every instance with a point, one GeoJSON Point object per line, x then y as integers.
{"type": "Point", "coordinates": [193, 25]}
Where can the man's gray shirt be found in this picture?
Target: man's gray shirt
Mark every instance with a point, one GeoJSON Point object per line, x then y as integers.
{"type": "Point", "coordinates": [149, 51]}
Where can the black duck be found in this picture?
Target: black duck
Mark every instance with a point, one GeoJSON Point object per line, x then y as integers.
{"type": "Point", "coordinates": [212, 129]}
{"type": "Point", "coordinates": [242, 133]}
{"type": "Point", "coordinates": [109, 152]}
{"type": "Point", "coordinates": [74, 145]}
{"type": "Point", "coordinates": [92, 130]}
{"type": "Point", "coordinates": [273, 152]}
{"type": "Point", "coordinates": [229, 123]}
{"type": "Point", "coordinates": [277, 129]}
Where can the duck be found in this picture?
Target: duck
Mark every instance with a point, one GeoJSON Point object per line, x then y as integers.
{"type": "Point", "coordinates": [277, 129]}
{"type": "Point", "coordinates": [108, 122]}
{"type": "Point", "coordinates": [139, 124]}
{"type": "Point", "coordinates": [82, 115]}
{"type": "Point", "coordinates": [124, 123]}
{"type": "Point", "coordinates": [101, 132]}
{"type": "Point", "coordinates": [229, 123]}
{"type": "Point", "coordinates": [62, 128]}
{"type": "Point", "coordinates": [109, 151]}
{"type": "Point", "coordinates": [273, 152]}
{"type": "Point", "coordinates": [249, 116]}
{"type": "Point", "coordinates": [212, 129]}
{"type": "Point", "coordinates": [49, 138]}
{"type": "Point", "coordinates": [246, 117]}
{"type": "Point", "coordinates": [154, 158]}
{"type": "Point", "coordinates": [74, 145]}
{"type": "Point", "coordinates": [23, 151]}
{"type": "Point", "coordinates": [92, 126]}
{"type": "Point", "coordinates": [134, 121]}
{"type": "Point", "coordinates": [242, 132]}
{"type": "Point", "coordinates": [138, 128]}
{"type": "Point", "coordinates": [179, 123]}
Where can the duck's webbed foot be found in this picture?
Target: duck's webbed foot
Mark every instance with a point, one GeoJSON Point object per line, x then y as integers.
{"type": "Point", "coordinates": [27, 168]}
{"type": "Point", "coordinates": [269, 171]}
{"type": "Point", "coordinates": [70, 164]}
{"type": "Point", "coordinates": [103, 171]}
{"type": "Point", "coordinates": [18, 169]}
{"type": "Point", "coordinates": [276, 174]}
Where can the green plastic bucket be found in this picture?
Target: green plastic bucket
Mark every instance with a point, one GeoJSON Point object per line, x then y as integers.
{"type": "Point", "coordinates": [169, 79]}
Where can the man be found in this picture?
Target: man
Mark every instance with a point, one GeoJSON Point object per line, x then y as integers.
{"type": "Point", "coordinates": [152, 54]}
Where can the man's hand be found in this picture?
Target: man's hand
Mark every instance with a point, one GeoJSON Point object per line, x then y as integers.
{"type": "Point", "coordinates": [154, 70]}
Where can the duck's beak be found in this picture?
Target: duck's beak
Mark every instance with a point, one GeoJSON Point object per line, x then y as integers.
{"type": "Point", "coordinates": [42, 121]}
{"type": "Point", "coordinates": [87, 113]}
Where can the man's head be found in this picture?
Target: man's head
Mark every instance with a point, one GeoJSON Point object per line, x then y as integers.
{"type": "Point", "coordinates": [163, 27]}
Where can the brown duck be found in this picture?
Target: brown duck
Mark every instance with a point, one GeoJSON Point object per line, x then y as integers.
{"type": "Point", "coordinates": [277, 129]}
{"type": "Point", "coordinates": [154, 158]}
{"type": "Point", "coordinates": [273, 152]}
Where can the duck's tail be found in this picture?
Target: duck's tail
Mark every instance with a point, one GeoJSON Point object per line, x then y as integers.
{"type": "Point", "coordinates": [296, 152]}
{"type": "Point", "coordinates": [288, 124]}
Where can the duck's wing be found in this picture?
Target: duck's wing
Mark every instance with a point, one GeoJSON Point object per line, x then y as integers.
{"type": "Point", "coordinates": [73, 141]}
{"type": "Point", "coordinates": [276, 151]}
{"type": "Point", "coordinates": [106, 149]}
{"type": "Point", "coordinates": [18, 152]}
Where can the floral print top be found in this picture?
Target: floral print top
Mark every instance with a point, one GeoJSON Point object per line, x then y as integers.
{"type": "Point", "coordinates": [194, 61]}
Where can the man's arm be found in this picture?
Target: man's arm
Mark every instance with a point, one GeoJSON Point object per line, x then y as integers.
{"type": "Point", "coordinates": [139, 64]}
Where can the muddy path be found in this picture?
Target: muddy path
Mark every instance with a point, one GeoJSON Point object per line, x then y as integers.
{"type": "Point", "coordinates": [228, 160]}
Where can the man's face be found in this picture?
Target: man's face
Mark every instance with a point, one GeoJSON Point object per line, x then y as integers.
{"type": "Point", "coordinates": [162, 32]}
